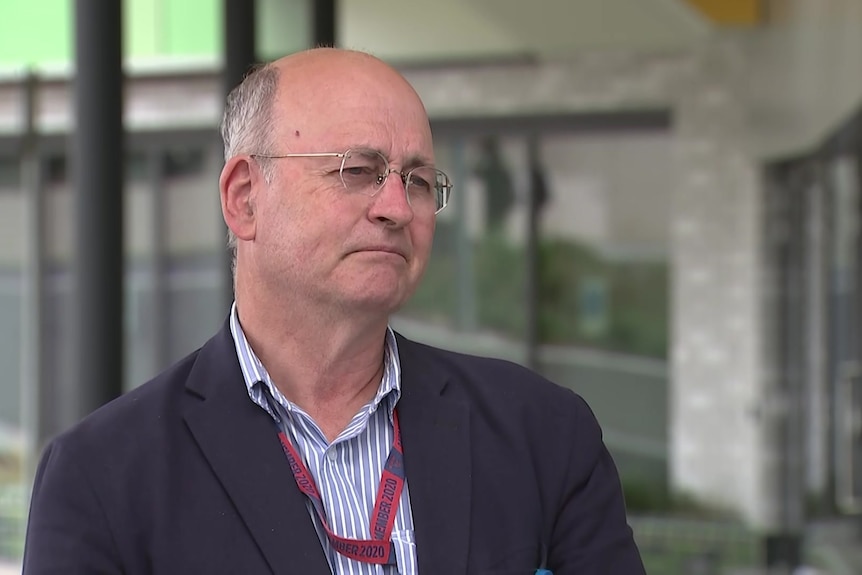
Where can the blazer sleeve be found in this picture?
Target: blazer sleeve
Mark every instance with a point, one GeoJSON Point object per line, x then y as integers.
{"type": "Point", "coordinates": [67, 532]}
{"type": "Point", "coordinates": [591, 535]}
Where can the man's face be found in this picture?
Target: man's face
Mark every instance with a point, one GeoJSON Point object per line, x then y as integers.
{"type": "Point", "coordinates": [315, 242]}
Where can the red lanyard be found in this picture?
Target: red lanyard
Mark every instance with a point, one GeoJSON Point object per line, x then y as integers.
{"type": "Point", "coordinates": [379, 549]}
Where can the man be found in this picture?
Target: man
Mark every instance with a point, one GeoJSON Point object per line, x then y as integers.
{"type": "Point", "coordinates": [306, 437]}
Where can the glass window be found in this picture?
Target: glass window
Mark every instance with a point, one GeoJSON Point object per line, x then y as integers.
{"type": "Point", "coordinates": [10, 173]}
{"type": "Point", "coordinates": [602, 272]}
{"type": "Point", "coordinates": [13, 457]}
{"type": "Point", "coordinates": [604, 249]}
{"type": "Point", "coordinates": [185, 162]}
{"type": "Point", "coordinates": [56, 169]}
{"type": "Point", "coordinates": [475, 279]}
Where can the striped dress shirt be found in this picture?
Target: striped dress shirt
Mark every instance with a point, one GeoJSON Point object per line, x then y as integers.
{"type": "Point", "coordinates": [348, 470]}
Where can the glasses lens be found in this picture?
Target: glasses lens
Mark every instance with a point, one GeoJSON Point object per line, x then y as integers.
{"type": "Point", "coordinates": [363, 171]}
{"type": "Point", "coordinates": [428, 187]}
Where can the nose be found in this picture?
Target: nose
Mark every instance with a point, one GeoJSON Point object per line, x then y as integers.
{"type": "Point", "coordinates": [390, 204]}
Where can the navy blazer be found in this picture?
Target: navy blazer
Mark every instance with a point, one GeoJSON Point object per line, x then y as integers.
{"type": "Point", "coordinates": [186, 475]}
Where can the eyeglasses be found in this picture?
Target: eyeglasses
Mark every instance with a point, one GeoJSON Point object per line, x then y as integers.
{"type": "Point", "coordinates": [365, 171]}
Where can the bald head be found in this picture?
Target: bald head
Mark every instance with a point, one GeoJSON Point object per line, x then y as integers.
{"type": "Point", "coordinates": [320, 61]}
{"type": "Point", "coordinates": [307, 85]}
{"type": "Point", "coordinates": [328, 97]}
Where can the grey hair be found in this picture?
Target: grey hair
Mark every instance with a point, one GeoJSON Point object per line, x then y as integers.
{"type": "Point", "coordinates": [246, 126]}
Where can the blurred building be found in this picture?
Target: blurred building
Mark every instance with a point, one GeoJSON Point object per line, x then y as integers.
{"type": "Point", "coordinates": [696, 166]}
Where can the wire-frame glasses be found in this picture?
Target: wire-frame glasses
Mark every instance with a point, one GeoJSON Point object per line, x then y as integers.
{"type": "Point", "coordinates": [365, 171]}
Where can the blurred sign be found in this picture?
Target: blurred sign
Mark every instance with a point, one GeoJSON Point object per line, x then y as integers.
{"type": "Point", "coordinates": [730, 12]}
{"type": "Point", "coordinates": [593, 306]}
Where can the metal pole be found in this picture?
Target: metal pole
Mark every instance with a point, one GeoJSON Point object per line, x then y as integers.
{"type": "Point", "coordinates": [532, 288]}
{"type": "Point", "coordinates": [323, 25]}
{"type": "Point", "coordinates": [97, 153]}
{"type": "Point", "coordinates": [33, 299]}
{"type": "Point", "coordinates": [239, 57]}
{"type": "Point", "coordinates": [854, 462]}
{"type": "Point", "coordinates": [158, 264]}
{"type": "Point", "coordinates": [239, 41]}
{"type": "Point", "coordinates": [464, 275]}
{"type": "Point", "coordinates": [783, 547]}
{"type": "Point", "coordinates": [830, 372]}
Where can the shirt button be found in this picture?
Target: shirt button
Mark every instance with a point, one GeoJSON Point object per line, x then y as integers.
{"type": "Point", "coordinates": [332, 455]}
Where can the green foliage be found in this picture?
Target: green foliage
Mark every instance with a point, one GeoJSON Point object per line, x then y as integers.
{"type": "Point", "coordinates": [684, 546]}
{"type": "Point", "coordinates": [645, 497]}
{"type": "Point", "coordinates": [10, 467]}
{"type": "Point", "coordinates": [12, 520]}
{"type": "Point", "coordinates": [435, 298]}
{"type": "Point", "coordinates": [678, 534]}
{"type": "Point", "coordinates": [500, 282]}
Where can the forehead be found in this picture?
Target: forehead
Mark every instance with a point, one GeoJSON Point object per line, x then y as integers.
{"type": "Point", "coordinates": [347, 104]}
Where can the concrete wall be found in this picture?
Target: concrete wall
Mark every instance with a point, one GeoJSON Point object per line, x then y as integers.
{"type": "Point", "coordinates": [718, 450]}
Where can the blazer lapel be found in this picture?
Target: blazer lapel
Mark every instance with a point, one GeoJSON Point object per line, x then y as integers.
{"type": "Point", "coordinates": [436, 438]}
{"type": "Point", "coordinates": [240, 442]}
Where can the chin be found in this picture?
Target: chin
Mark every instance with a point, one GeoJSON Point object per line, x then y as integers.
{"type": "Point", "coordinates": [386, 304]}
{"type": "Point", "coordinates": [382, 302]}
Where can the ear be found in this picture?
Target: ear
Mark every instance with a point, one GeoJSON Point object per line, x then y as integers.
{"type": "Point", "coordinates": [237, 185]}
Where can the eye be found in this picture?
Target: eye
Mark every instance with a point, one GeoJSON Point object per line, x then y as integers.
{"type": "Point", "coordinates": [361, 169]}
{"type": "Point", "coordinates": [421, 180]}
{"type": "Point", "coordinates": [357, 170]}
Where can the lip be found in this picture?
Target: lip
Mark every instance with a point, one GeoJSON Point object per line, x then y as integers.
{"type": "Point", "coordinates": [384, 249]}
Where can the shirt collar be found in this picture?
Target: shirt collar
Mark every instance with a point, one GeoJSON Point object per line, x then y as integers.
{"type": "Point", "coordinates": [258, 381]}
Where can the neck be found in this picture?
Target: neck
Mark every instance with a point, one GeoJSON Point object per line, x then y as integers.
{"type": "Point", "coordinates": [328, 366]}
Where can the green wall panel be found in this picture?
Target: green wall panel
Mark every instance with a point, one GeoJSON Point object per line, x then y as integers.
{"type": "Point", "coordinates": [35, 31]}
{"type": "Point", "coordinates": [40, 31]}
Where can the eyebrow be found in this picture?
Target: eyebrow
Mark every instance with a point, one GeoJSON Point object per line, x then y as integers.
{"type": "Point", "coordinates": [411, 161]}
{"type": "Point", "coordinates": [416, 160]}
